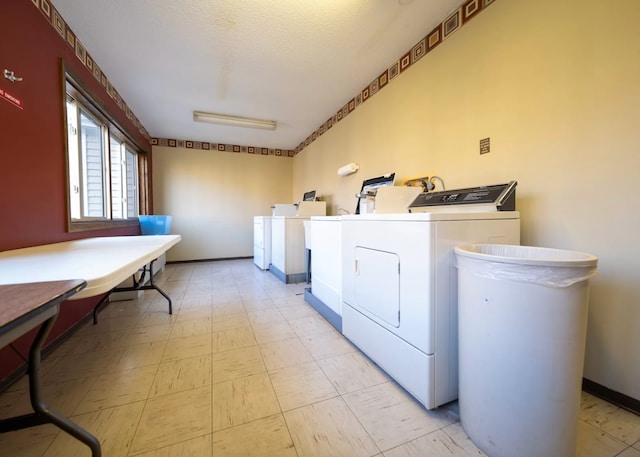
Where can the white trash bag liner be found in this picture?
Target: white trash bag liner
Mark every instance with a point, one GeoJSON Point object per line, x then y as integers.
{"type": "Point", "coordinates": [544, 266]}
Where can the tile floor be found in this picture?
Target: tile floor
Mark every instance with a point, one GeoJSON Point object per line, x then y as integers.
{"type": "Point", "coordinates": [245, 367]}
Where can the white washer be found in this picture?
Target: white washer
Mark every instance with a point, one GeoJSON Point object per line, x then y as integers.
{"type": "Point", "coordinates": [325, 293]}
{"type": "Point", "coordinates": [399, 291]}
{"type": "Point", "coordinates": [288, 248]}
{"type": "Point", "coordinates": [262, 241]}
{"type": "Point", "coordinates": [288, 251]}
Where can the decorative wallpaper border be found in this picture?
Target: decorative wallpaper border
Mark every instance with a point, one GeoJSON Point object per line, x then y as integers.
{"type": "Point", "coordinates": [467, 10]}
{"type": "Point", "coordinates": [189, 144]}
{"type": "Point", "coordinates": [57, 22]}
{"type": "Point", "coordinates": [461, 16]}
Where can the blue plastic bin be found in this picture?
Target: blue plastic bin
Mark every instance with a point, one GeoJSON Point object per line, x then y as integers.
{"type": "Point", "coordinates": [155, 225]}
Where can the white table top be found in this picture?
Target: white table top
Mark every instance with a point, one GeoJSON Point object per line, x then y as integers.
{"type": "Point", "coordinates": [103, 262]}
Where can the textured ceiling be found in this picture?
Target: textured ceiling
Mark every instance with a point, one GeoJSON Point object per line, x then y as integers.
{"type": "Point", "coordinates": [294, 61]}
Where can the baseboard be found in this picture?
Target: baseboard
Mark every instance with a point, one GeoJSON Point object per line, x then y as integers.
{"type": "Point", "coordinates": [613, 397]}
{"type": "Point", "coordinates": [207, 260]}
{"type": "Point", "coordinates": [330, 315]}
{"type": "Point", "coordinates": [287, 279]}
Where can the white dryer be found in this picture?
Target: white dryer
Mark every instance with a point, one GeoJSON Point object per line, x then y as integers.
{"type": "Point", "coordinates": [399, 285]}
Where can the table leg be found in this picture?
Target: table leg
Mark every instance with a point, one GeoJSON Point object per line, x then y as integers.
{"type": "Point", "coordinates": [44, 414]}
{"type": "Point", "coordinates": [137, 286]}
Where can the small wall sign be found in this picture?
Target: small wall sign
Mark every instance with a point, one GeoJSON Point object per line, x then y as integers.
{"type": "Point", "coordinates": [485, 145]}
{"type": "Point", "coordinates": [11, 98]}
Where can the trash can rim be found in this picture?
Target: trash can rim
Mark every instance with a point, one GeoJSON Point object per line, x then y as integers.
{"type": "Point", "coordinates": [526, 255]}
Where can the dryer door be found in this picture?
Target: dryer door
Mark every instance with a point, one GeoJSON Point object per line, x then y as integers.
{"type": "Point", "coordinates": [377, 285]}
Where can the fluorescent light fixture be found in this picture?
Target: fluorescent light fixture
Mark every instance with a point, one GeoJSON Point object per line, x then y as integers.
{"type": "Point", "coordinates": [235, 121]}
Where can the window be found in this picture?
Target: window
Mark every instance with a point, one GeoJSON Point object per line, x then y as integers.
{"type": "Point", "coordinates": [104, 166]}
{"type": "Point", "coordinates": [124, 179]}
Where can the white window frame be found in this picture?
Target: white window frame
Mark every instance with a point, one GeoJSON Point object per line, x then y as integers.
{"type": "Point", "coordinates": [117, 186]}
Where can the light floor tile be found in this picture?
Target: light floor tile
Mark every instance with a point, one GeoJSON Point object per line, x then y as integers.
{"type": "Point", "coordinates": [190, 314]}
{"type": "Point", "coordinates": [629, 452]}
{"type": "Point", "coordinates": [281, 292]}
{"type": "Point", "coordinates": [158, 314]}
{"type": "Point", "coordinates": [351, 372]}
{"type": "Point", "coordinates": [219, 323]}
{"type": "Point", "coordinates": [118, 322]}
{"type": "Point", "coordinates": [15, 402]}
{"type": "Point", "coordinates": [148, 334]}
{"type": "Point", "coordinates": [620, 424]}
{"type": "Point", "coordinates": [240, 400]}
{"type": "Point", "coordinates": [328, 428]}
{"type": "Point", "coordinates": [329, 344]}
{"type": "Point", "coordinates": [617, 422]}
{"type": "Point", "coordinates": [196, 447]}
{"type": "Point", "coordinates": [114, 428]}
{"type": "Point", "coordinates": [301, 385]}
{"type": "Point", "coordinates": [391, 417]}
{"type": "Point", "coordinates": [173, 418]}
{"type": "Point", "coordinates": [456, 432]}
{"type": "Point", "coordinates": [293, 301]}
{"type": "Point", "coordinates": [287, 452]}
{"type": "Point", "coordinates": [225, 296]}
{"type": "Point", "coordinates": [30, 442]}
{"type": "Point", "coordinates": [63, 396]}
{"type": "Point", "coordinates": [258, 304]}
{"type": "Point", "coordinates": [593, 442]}
{"type": "Point", "coordinates": [263, 317]}
{"type": "Point", "coordinates": [297, 311]}
{"type": "Point", "coordinates": [191, 327]}
{"type": "Point", "coordinates": [197, 300]}
{"type": "Point", "coordinates": [592, 408]}
{"type": "Point", "coordinates": [233, 338]}
{"type": "Point", "coordinates": [310, 326]}
{"type": "Point", "coordinates": [263, 437]}
{"type": "Point", "coordinates": [228, 309]}
{"type": "Point", "coordinates": [79, 365]}
{"type": "Point", "coordinates": [140, 355]}
{"type": "Point", "coordinates": [118, 388]}
{"type": "Point", "coordinates": [189, 346]}
{"type": "Point", "coordinates": [123, 308]}
{"type": "Point", "coordinates": [275, 331]}
{"type": "Point", "coordinates": [180, 375]}
{"type": "Point", "coordinates": [236, 363]}
{"type": "Point", "coordinates": [436, 444]}
{"type": "Point", "coordinates": [97, 341]}
{"type": "Point", "coordinates": [284, 353]}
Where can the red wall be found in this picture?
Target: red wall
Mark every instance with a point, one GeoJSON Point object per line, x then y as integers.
{"type": "Point", "coordinates": [32, 150]}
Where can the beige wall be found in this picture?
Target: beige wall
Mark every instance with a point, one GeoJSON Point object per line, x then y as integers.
{"type": "Point", "coordinates": [213, 196]}
{"type": "Point", "coordinates": [555, 85]}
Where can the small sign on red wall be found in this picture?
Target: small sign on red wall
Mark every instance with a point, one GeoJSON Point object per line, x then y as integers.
{"type": "Point", "coordinates": [11, 98]}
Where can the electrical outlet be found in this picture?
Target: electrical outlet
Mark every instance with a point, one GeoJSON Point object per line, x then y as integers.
{"type": "Point", "coordinates": [485, 145]}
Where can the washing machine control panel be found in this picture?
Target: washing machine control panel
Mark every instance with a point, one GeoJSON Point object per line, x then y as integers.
{"type": "Point", "coordinates": [499, 197]}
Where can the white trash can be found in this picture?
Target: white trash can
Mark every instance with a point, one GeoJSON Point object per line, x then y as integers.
{"type": "Point", "coordinates": [522, 323]}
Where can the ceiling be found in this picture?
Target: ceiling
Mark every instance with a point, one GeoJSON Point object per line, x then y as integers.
{"type": "Point", "coordinates": [293, 61]}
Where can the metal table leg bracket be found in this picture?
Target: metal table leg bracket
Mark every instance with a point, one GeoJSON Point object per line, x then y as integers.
{"type": "Point", "coordinates": [138, 284]}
